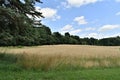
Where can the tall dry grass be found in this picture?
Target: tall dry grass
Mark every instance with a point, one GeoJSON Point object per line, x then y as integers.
{"type": "Point", "coordinates": [67, 57]}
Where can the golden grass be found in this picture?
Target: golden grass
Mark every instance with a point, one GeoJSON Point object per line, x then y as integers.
{"type": "Point", "coordinates": [69, 56]}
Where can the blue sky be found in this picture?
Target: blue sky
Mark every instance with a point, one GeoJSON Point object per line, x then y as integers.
{"type": "Point", "coordinates": [85, 18]}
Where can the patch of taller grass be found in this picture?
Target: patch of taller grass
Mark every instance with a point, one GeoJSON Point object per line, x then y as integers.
{"type": "Point", "coordinates": [63, 57]}
{"type": "Point", "coordinates": [47, 62]}
{"type": "Point", "coordinates": [57, 62]}
{"type": "Point", "coordinates": [43, 62]}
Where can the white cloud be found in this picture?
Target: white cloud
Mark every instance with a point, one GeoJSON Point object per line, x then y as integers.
{"type": "Point", "coordinates": [109, 35]}
{"type": "Point", "coordinates": [99, 35]}
{"type": "Point", "coordinates": [108, 27]}
{"type": "Point", "coordinates": [74, 32]}
{"type": "Point", "coordinates": [89, 35]}
{"type": "Point", "coordinates": [114, 35]}
{"type": "Point", "coordinates": [67, 28]}
{"type": "Point", "coordinates": [48, 13]}
{"type": "Point", "coordinates": [94, 35]}
{"type": "Point", "coordinates": [80, 20]}
{"type": "Point", "coordinates": [90, 29]}
{"type": "Point", "coordinates": [78, 3]}
{"type": "Point", "coordinates": [117, 14]}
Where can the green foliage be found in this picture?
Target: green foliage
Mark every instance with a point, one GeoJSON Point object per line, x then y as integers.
{"type": "Point", "coordinates": [6, 39]}
{"type": "Point", "coordinates": [58, 38]}
{"type": "Point", "coordinates": [17, 29]}
{"type": "Point", "coordinates": [42, 35]}
{"type": "Point", "coordinates": [113, 41]}
{"type": "Point", "coordinates": [23, 7]}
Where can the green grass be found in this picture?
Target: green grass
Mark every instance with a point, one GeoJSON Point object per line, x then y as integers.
{"type": "Point", "coordinates": [9, 70]}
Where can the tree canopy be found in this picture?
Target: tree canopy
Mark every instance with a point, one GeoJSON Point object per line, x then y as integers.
{"type": "Point", "coordinates": [16, 13]}
{"type": "Point", "coordinates": [24, 7]}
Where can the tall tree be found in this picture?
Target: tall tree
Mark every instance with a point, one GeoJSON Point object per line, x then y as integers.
{"type": "Point", "coordinates": [20, 6]}
{"type": "Point", "coordinates": [15, 21]}
{"type": "Point", "coordinates": [15, 13]}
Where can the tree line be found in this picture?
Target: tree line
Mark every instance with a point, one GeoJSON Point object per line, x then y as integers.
{"type": "Point", "coordinates": [42, 35]}
{"type": "Point", "coordinates": [17, 29]}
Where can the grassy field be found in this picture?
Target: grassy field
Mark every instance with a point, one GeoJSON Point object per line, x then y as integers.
{"type": "Point", "coordinates": [60, 62]}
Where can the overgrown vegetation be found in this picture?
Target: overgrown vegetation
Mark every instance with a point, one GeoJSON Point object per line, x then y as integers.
{"type": "Point", "coordinates": [59, 62]}
{"type": "Point", "coordinates": [63, 57]}
{"type": "Point", "coordinates": [10, 69]}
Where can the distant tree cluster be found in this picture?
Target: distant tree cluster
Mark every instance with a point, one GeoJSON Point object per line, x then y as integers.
{"type": "Point", "coordinates": [42, 35]}
{"type": "Point", "coordinates": [16, 28]}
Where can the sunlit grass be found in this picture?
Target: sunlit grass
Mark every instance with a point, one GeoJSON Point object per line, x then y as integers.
{"type": "Point", "coordinates": [48, 62]}
{"type": "Point", "coordinates": [66, 57]}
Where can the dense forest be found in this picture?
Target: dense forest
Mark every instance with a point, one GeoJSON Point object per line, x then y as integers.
{"type": "Point", "coordinates": [17, 29]}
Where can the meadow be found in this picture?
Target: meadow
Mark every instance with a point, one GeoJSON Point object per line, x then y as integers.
{"type": "Point", "coordinates": [53, 62]}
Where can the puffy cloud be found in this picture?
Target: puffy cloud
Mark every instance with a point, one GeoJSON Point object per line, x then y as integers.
{"type": "Point", "coordinates": [78, 3]}
{"type": "Point", "coordinates": [109, 27]}
{"type": "Point", "coordinates": [67, 28]}
{"type": "Point", "coordinates": [99, 35]}
{"type": "Point", "coordinates": [94, 35]}
{"type": "Point", "coordinates": [89, 35]}
{"type": "Point", "coordinates": [50, 13]}
{"type": "Point", "coordinates": [117, 14]}
{"type": "Point", "coordinates": [80, 20]}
